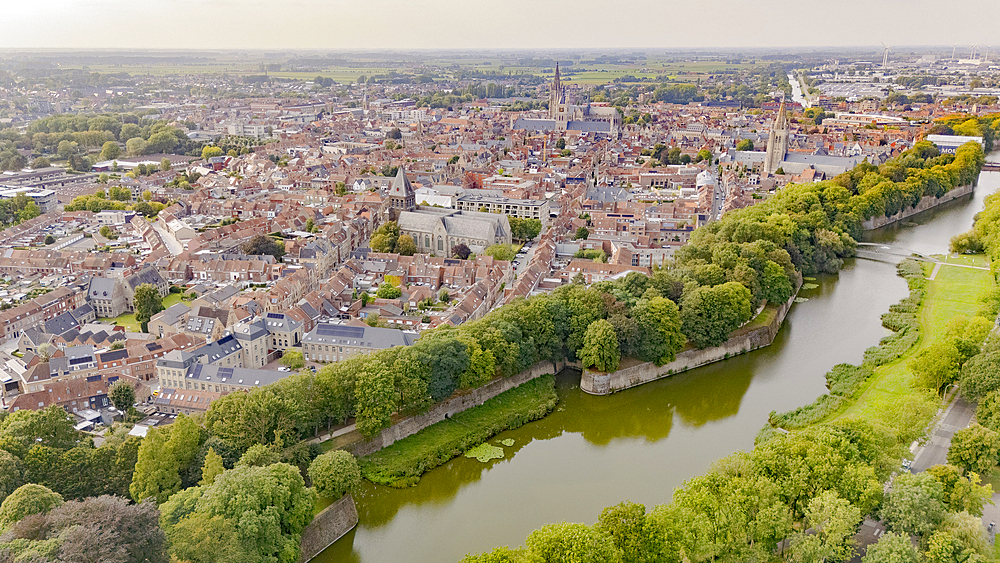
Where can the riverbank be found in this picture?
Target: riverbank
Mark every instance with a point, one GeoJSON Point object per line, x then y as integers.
{"type": "Point", "coordinates": [882, 388]}
{"type": "Point", "coordinates": [402, 463]}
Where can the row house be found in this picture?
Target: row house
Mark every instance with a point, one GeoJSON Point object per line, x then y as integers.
{"type": "Point", "coordinates": [38, 310]}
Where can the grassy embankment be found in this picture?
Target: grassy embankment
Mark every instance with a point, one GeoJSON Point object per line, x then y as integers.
{"type": "Point", "coordinates": [954, 292]}
{"type": "Point", "coordinates": [882, 388]}
{"type": "Point", "coordinates": [402, 463]}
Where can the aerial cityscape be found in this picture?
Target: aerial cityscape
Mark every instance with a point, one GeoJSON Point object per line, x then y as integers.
{"type": "Point", "coordinates": [286, 287]}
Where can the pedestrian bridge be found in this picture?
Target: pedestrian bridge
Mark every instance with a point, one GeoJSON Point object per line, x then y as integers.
{"type": "Point", "coordinates": [888, 253]}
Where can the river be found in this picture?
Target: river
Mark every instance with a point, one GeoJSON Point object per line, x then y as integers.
{"type": "Point", "coordinates": [641, 443]}
{"type": "Point", "coordinates": [797, 96]}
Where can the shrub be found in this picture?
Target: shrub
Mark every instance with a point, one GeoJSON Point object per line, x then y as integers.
{"type": "Point", "coordinates": [334, 474]}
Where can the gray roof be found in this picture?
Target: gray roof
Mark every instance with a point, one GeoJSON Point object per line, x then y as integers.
{"type": "Point", "coordinates": [172, 314]}
{"type": "Point", "coordinates": [221, 348]}
{"type": "Point", "coordinates": [234, 376]}
{"type": "Point", "coordinates": [101, 288]}
{"type": "Point", "coordinates": [401, 186]}
{"type": "Point", "coordinates": [279, 322]}
{"type": "Point", "coordinates": [250, 330]}
{"type": "Point", "coordinates": [178, 359]}
{"type": "Point", "coordinates": [147, 275]}
{"type": "Point", "coordinates": [361, 336]}
{"type": "Point", "coordinates": [469, 224]}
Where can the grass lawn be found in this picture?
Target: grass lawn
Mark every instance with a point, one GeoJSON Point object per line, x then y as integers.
{"type": "Point", "coordinates": [953, 292]}
{"type": "Point", "coordinates": [402, 463]}
{"type": "Point", "coordinates": [128, 321]}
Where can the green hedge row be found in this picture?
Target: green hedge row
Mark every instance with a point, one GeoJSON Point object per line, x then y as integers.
{"type": "Point", "coordinates": [402, 463]}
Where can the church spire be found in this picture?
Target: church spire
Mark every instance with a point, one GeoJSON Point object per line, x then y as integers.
{"type": "Point", "coordinates": [781, 120]}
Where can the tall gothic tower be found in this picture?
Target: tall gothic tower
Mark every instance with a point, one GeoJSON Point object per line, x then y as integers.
{"type": "Point", "coordinates": [777, 141]}
{"type": "Point", "coordinates": [402, 197]}
{"type": "Point", "coordinates": [555, 96]}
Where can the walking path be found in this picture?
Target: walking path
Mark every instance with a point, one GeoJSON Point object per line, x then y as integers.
{"type": "Point", "coordinates": [957, 416]}
{"type": "Point", "coordinates": [334, 434]}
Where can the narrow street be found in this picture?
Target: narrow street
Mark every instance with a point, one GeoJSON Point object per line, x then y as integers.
{"type": "Point", "coordinates": [935, 451]}
{"type": "Point", "coordinates": [169, 240]}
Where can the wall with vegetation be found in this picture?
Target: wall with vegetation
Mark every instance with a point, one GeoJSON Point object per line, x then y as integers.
{"type": "Point", "coordinates": [328, 526]}
{"type": "Point", "coordinates": [447, 409]}
{"type": "Point", "coordinates": [597, 383]}
{"type": "Point", "coordinates": [927, 202]}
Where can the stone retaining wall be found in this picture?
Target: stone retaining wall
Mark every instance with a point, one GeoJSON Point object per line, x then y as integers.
{"type": "Point", "coordinates": [449, 408]}
{"type": "Point", "coordinates": [927, 202]}
{"type": "Point", "coordinates": [328, 526]}
{"type": "Point", "coordinates": [598, 383]}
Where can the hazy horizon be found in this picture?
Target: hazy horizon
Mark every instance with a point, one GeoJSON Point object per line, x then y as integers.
{"type": "Point", "coordinates": [493, 24]}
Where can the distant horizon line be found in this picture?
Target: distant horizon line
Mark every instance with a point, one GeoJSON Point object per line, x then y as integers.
{"type": "Point", "coordinates": [486, 49]}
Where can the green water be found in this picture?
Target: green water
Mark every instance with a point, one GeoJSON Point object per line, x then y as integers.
{"type": "Point", "coordinates": [642, 443]}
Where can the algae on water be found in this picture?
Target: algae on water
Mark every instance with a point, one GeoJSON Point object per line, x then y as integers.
{"type": "Point", "coordinates": [485, 452]}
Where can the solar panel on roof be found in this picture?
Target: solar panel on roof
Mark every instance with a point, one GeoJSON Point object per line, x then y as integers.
{"type": "Point", "coordinates": [340, 331]}
{"type": "Point", "coordinates": [275, 316]}
{"type": "Point", "coordinates": [225, 372]}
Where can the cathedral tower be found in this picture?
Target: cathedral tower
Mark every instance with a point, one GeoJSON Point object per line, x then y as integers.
{"type": "Point", "coordinates": [777, 141]}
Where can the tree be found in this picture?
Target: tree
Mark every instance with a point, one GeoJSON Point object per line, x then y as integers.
{"type": "Point", "coordinates": [122, 395]}
{"type": "Point", "coordinates": [135, 146]}
{"type": "Point", "coordinates": [105, 529]}
{"type": "Point", "coordinates": [107, 232]}
{"type": "Point", "coordinates": [914, 504]}
{"type": "Point", "coordinates": [259, 455]}
{"type": "Point", "coordinates": [524, 229]}
{"type": "Point", "coordinates": [50, 427]}
{"type": "Point", "coordinates": [710, 314]}
{"type": "Point", "coordinates": [334, 474]}
{"type": "Point", "coordinates": [981, 375]}
{"type": "Point", "coordinates": [120, 193]}
{"type": "Point", "coordinates": [406, 246]}
{"type": "Point", "coordinates": [567, 542]}
{"type": "Point", "coordinates": [375, 398]}
{"type": "Point", "coordinates": [165, 164]}
{"type": "Point", "coordinates": [744, 145]}
{"type": "Point", "coordinates": [704, 154]}
{"type": "Point", "coordinates": [501, 251]}
{"type": "Point", "coordinates": [212, 468]}
{"type": "Point", "coordinates": [961, 494]}
{"type": "Point", "coordinates": [461, 251]}
{"type": "Point", "coordinates": [156, 470]}
{"type": "Point", "coordinates": [936, 366]}
{"type": "Point", "coordinates": [40, 162]}
{"type": "Point", "coordinates": [581, 233]}
{"type": "Point", "coordinates": [209, 151]}
{"type": "Point", "coordinates": [67, 149]}
{"type": "Point", "coordinates": [892, 547]}
{"type": "Point", "coordinates": [110, 151]}
{"type": "Point", "coordinates": [293, 359]}
{"type": "Point", "coordinates": [600, 347]}
{"type": "Point", "coordinates": [975, 448]}
{"type": "Point", "coordinates": [27, 500]}
{"type": "Point", "coordinates": [147, 302]}
{"type": "Point", "coordinates": [259, 245]}
{"type": "Point", "coordinates": [252, 514]}
{"type": "Point", "coordinates": [561, 143]}
{"type": "Point", "coordinates": [385, 238]}
{"type": "Point", "coordinates": [49, 239]}
{"type": "Point", "coordinates": [11, 474]}
{"type": "Point", "coordinates": [388, 291]}
{"type": "Point", "coordinates": [637, 539]}
{"type": "Point", "coordinates": [834, 522]}
{"type": "Point", "coordinates": [443, 295]}
{"type": "Point", "coordinates": [776, 286]}
{"type": "Point", "coordinates": [658, 324]}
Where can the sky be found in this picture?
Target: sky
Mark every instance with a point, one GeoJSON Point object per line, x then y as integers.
{"type": "Point", "coordinates": [491, 24]}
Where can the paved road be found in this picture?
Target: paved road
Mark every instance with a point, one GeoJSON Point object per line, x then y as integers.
{"type": "Point", "coordinates": [169, 240]}
{"type": "Point", "coordinates": [935, 451]}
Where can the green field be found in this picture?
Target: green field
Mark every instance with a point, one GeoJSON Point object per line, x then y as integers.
{"type": "Point", "coordinates": [590, 73]}
{"type": "Point", "coordinates": [954, 292]}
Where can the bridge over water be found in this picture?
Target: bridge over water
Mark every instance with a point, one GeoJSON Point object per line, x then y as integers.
{"type": "Point", "coordinates": [888, 253]}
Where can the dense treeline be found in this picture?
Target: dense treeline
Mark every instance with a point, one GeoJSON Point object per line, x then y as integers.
{"type": "Point", "coordinates": [43, 447]}
{"type": "Point", "coordinates": [796, 497]}
{"type": "Point", "coordinates": [73, 137]}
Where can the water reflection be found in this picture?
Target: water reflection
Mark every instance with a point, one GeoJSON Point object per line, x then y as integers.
{"type": "Point", "coordinates": [642, 443]}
